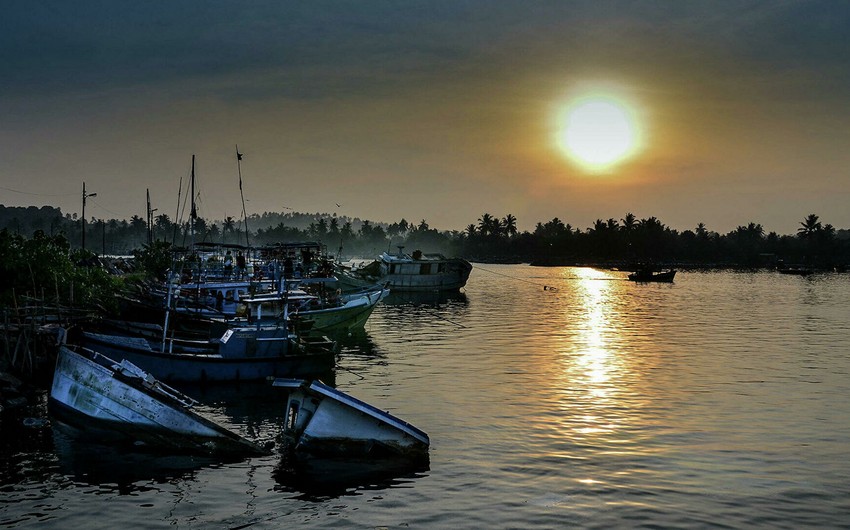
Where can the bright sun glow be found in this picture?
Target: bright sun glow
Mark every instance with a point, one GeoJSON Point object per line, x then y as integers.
{"type": "Point", "coordinates": [599, 132]}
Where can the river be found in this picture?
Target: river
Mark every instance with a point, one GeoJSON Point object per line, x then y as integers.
{"type": "Point", "coordinates": [553, 397]}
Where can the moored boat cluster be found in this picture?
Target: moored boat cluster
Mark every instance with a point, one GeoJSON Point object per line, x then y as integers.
{"type": "Point", "coordinates": [228, 314]}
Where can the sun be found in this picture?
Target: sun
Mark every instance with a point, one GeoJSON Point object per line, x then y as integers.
{"type": "Point", "coordinates": [598, 132]}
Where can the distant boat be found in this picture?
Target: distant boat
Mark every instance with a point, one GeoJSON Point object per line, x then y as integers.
{"type": "Point", "coordinates": [649, 275]}
{"type": "Point", "coordinates": [409, 272]}
{"type": "Point", "coordinates": [322, 421]}
{"type": "Point", "coordinates": [797, 271]}
{"type": "Point", "coordinates": [92, 389]}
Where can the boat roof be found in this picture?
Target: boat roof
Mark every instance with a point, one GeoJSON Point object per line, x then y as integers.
{"type": "Point", "coordinates": [209, 245]}
{"type": "Point", "coordinates": [293, 245]}
{"type": "Point", "coordinates": [408, 258]}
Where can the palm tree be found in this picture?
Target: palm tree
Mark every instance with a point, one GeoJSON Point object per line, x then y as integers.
{"type": "Point", "coordinates": [509, 225]}
{"type": "Point", "coordinates": [629, 222]}
{"type": "Point", "coordinates": [487, 224]}
{"type": "Point", "coordinates": [809, 226]}
{"type": "Point", "coordinates": [227, 226]}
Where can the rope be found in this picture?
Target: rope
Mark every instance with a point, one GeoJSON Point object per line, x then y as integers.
{"type": "Point", "coordinates": [545, 287]}
{"type": "Point", "coordinates": [38, 194]}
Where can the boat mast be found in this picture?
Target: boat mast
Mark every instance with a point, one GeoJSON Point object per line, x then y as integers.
{"type": "Point", "coordinates": [244, 214]}
{"type": "Point", "coordinates": [193, 214]}
{"type": "Point", "coordinates": [192, 217]}
{"type": "Point", "coordinates": [171, 278]}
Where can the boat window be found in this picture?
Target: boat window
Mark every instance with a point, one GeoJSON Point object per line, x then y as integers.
{"type": "Point", "coordinates": [425, 268]}
{"type": "Point", "coordinates": [393, 268]}
{"type": "Point", "coordinates": [292, 415]}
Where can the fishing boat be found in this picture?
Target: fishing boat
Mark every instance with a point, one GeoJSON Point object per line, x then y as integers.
{"type": "Point", "coordinates": [409, 272]}
{"type": "Point", "coordinates": [253, 350]}
{"type": "Point", "coordinates": [650, 275]}
{"type": "Point", "coordinates": [322, 421]}
{"type": "Point", "coordinates": [325, 312]}
{"type": "Point", "coordinates": [90, 388]}
{"type": "Point", "coordinates": [240, 354]}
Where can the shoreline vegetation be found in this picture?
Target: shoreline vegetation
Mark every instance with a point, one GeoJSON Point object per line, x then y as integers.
{"type": "Point", "coordinates": [490, 239]}
{"type": "Point", "coordinates": [49, 280]}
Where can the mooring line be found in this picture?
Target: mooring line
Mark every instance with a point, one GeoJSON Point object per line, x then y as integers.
{"type": "Point", "coordinates": [545, 287]}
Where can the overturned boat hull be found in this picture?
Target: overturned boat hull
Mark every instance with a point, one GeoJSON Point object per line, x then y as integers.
{"type": "Point", "coordinates": [323, 421]}
{"type": "Point", "coordinates": [121, 398]}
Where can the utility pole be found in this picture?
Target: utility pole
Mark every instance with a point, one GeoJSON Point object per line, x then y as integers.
{"type": "Point", "coordinates": [85, 195]}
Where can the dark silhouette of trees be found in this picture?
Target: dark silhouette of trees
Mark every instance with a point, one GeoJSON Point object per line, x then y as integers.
{"type": "Point", "coordinates": [490, 238]}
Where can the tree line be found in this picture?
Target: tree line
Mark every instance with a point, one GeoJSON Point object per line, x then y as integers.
{"type": "Point", "coordinates": [490, 238]}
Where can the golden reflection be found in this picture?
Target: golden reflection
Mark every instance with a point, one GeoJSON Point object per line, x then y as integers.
{"type": "Point", "coordinates": [592, 369]}
{"type": "Point", "coordinates": [593, 359]}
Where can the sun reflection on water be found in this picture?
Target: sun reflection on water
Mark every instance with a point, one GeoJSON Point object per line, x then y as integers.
{"type": "Point", "coordinates": [592, 375]}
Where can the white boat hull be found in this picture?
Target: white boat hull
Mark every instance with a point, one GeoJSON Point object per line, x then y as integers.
{"type": "Point", "coordinates": [323, 421]}
{"type": "Point", "coordinates": [120, 397]}
{"type": "Point", "coordinates": [404, 273]}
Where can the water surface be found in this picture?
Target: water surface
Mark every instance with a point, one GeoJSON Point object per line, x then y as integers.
{"type": "Point", "coordinates": [553, 397]}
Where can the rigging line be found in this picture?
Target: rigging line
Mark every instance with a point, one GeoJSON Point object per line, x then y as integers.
{"type": "Point", "coordinates": [102, 207]}
{"type": "Point", "coordinates": [38, 194]}
{"type": "Point", "coordinates": [545, 287]}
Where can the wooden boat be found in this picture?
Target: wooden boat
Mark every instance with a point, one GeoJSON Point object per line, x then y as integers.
{"type": "Point", "coordinates": [322, 421]}
{"type": "Point", "coordinates": [409, 272]}
{"type": "Point", "coordinates": [325, 313]}
{"type": "Point", "coordinates": [89, 387]}
{"type": "Point", "coordinates": [241, 354]}
{"type": "Point", "coordinates": [649, 275]}
{"type": "Point", "coordinates": [250, 351]}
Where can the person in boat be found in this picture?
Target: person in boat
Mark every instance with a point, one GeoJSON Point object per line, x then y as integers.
{"type": "Point", "coordinates": [240, 264]}
{"type": "Point", "coordinates": [288, 268]}
{"type": "Point", "coordinates": [228, 263]}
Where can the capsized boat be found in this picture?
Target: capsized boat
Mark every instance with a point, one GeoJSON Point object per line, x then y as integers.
{"type": "Point", "coordinates": [323, 421]}
{"type": "Point", "coordinates": [122, 398]}
{"type": "Point", "coordinates": [409, 272]}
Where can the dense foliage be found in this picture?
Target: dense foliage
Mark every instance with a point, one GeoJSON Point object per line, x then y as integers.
{"type": "Point", "coordinates": [45, 268]}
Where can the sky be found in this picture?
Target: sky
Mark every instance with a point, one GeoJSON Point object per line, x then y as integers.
{"type": "Point", "coordinates": [439, 110]}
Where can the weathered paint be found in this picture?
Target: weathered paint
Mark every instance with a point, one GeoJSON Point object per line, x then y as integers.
{"type": "Point", "coordinates": [88, 386]}
{"type": "Point", "coordinates": [322, 420]}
